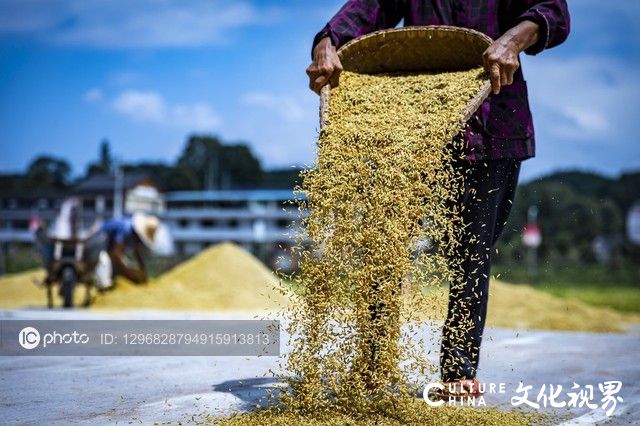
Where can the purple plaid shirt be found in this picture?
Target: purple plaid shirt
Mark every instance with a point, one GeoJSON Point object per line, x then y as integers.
{"type": "Point", "coordinates": [502, 127]}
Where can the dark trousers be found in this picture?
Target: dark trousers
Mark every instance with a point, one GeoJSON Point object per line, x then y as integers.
{"type": "Point", "coordinates": [486, 201]}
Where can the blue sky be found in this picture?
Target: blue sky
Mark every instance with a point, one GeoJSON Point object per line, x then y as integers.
{"type": "Point", "coordinates": [147, 73]}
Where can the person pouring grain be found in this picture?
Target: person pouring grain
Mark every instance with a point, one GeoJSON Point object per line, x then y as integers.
{"type": "Point", "coordinates": [498, 137]}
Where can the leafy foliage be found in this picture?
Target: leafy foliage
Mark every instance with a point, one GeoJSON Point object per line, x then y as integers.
{"type": "Point", "coordinates": [206, 162]}
{"type": "Point", "coordinates": [104, 165]}
{"type": "Point", "coordinates": [48, 172]}
{"type": "Point", "coordinates": [216, 166]}
{"type": "Point", "coordinates": [574, 208]}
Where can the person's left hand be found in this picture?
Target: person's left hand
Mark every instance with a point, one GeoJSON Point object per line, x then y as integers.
{"type": "Point", "coordinates": [501, 62]}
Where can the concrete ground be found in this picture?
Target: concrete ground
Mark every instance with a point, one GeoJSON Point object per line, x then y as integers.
{"type": "Point", "coordinates": [148, 390]}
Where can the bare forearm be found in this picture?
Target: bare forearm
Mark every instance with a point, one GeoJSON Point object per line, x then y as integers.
{"type": "Point", "coordinates": [140, 259]}
{"type": "Point", "coordinates": [522, 36]}
{"type": "Point", "coordinates": [135, 275]}
{"type": "Point", "coordinates": [501, 58]}
{"type": "Point", "coordinates": [121, 266]}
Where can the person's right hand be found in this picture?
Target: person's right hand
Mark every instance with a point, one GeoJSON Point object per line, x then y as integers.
{"type": "Point", "coordinates": [325, 68]}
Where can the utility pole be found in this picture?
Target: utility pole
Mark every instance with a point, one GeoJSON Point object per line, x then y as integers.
{"type": "Point", "coordinates": [532, 238]}
{"type": "Point", "coordinates": [118, 175]}
{"type": "Point", "coordinates": [211, 181]}
{"type": "Point", "coordinates": [3, 261]}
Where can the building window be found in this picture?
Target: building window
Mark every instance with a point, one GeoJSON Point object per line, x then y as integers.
{"type": "Point", "coordinates": [89, 204]}
{"type": "Point", "coordinates": [20, 224]}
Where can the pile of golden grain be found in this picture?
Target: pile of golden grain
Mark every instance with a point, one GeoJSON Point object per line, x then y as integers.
{"type": "Point", "coordinates": [224, 277]}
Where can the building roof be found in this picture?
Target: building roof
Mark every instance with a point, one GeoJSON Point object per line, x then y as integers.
{"type": "Point", "coordinates": [233, 195]}
{"type": "Point", "coordinates": [103, 183]}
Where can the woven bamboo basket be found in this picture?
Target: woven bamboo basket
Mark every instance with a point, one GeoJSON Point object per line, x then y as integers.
{"type": "Point", "coordinates": [414, 49]}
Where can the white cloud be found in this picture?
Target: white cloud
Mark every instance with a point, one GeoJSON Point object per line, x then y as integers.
{"type": "Point", "coordinates": [584, 94]}
{"type": "Point", "coordinates": [130, 24]}
{"type": "Point", "coordinates": [588, 120]}
{"type": "Point", "coordinates": [198, 116]}
{"type": "Point", "coordinates": [151, 107]}
{"type": "Point", "coordinates": [585, 112]}
{"type": "Point", "coordinates": [93, 95]}
{"type": "Point", "coordinates": [141, 106]}
{"type": "Point", "coordinates": [285, 106]}
{"type": "Point", "coordinates": [587, 98]}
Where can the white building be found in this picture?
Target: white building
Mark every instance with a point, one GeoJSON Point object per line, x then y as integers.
{"type": "Point", "coordinates": [261, 220]}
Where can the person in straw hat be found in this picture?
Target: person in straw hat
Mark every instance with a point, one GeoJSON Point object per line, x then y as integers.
{"type": "Point", "coordinates": [497, 138]}
{"type": "Point", "coordinates": [135, 234]}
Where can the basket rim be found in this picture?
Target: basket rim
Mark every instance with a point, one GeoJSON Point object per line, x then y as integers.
{"type": "Point", "coordinates": [405, 32]}
{"type": "Point", "coordinates": [418, 29]}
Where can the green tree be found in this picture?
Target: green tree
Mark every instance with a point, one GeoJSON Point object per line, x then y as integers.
{"type": "Point", "coordinates": [48, 172]}
{"type": "Point", "coordinates": [215, 165]}
{"type": "Point", "coordinates": [626, 190]}
{"type": "Point", "coordinates": [106, 161]}
{"type": "Point", "coordinates": [239, 167]}
{"type": "Point", "coordinates": [104, 165]}
{"type": "Point", "coordinates": [167, 177]}
{"type": "Point", "coordinates": [574, 209]}
{"type": "Point", "coordinates": [282, 178]}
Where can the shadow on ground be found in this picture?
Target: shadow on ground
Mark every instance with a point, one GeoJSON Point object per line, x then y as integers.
{"type": "Point", "coordinates": [254, 391]}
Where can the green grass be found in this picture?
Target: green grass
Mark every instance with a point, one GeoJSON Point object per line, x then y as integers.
{"type": "Point", "coordinates": [595, 285]}
{"type": "Point", "coordinates": [563, 274]}
{"type": "Point", "coordinates": [20, 260]}
{"type": "Point", "coordinates": [613, 287]}
{"type": "Point", "coordinates": [621, 298]}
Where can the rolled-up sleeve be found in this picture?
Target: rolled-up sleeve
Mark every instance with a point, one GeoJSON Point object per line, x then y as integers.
{"type": "Point", "coordinates": [554, 21]}
{"type": "Point", "coordinates": [359, 17]}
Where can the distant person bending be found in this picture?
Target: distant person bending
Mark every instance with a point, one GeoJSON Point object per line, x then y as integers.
{"type": "Point", "coordinates": [130, 233]}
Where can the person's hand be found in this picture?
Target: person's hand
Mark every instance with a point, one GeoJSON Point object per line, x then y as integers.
{"type": "Point", "coordinates": [325, 68]}
{"type": "Point", "coordinates": [501, 62]}
{"type": "Point", "coordinates": [501, 58]}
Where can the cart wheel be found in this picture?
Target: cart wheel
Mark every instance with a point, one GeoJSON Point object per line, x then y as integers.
{"type": "Point", "coordinates": [87, 296]}
{"type": "Point", "coordinates": [68, 285]}
{"type": "Point", "coordinates": [49, 296]}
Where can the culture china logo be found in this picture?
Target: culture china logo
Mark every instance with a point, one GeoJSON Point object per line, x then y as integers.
{"type": "Point", "coordinates": [604, 395]}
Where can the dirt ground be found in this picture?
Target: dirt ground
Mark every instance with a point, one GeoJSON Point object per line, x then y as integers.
{"type": "Point", "coordinates": [166, 390]}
